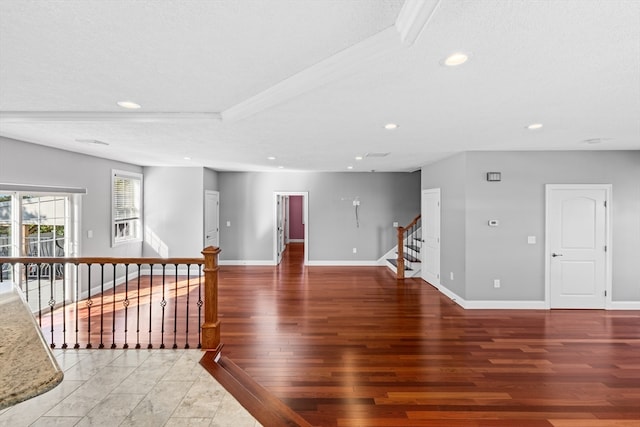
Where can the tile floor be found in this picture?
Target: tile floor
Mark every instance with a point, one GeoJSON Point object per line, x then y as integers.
{"type": "Point", "coordinates": [131, 388]}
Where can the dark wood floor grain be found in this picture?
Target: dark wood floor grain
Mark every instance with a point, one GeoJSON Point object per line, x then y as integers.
{"type": "Point", "coordinates": [351, 346]}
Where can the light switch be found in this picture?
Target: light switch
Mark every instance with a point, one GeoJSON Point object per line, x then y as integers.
{"type": "Point", "coordinates": [531, 240]}
{"type": "Point", "coordinates": [89, 234]}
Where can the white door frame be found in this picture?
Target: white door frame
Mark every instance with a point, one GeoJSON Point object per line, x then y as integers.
{"type": "Point", "coordinates": [204, 225]}
{"type": "Point", "coordinates": [305, 219]}
{"type": "Point", "coordinates": [547, 248]}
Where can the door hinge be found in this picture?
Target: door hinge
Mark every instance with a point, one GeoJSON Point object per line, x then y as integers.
{"type": "Point", "coordinates": [605, 248]}
{"type": "Point", "coordinates": [438, 275]}
{"type": "Point", "coordinates": [605, 203]}
{"type": "Point", "coordinates": [605, 293]}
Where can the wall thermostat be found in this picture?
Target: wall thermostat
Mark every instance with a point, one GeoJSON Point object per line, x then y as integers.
{"type": "Point", "coordinates": [494, 223]}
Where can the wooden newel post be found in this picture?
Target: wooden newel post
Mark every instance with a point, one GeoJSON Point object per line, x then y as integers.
{"type": "Point", "coordinates": [211, 325]}
{"type": "Point", "coordinates": [400, 266]}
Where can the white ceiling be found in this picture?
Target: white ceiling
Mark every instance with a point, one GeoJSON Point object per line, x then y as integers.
{"type": "Point", "coordinates": [312, 82]}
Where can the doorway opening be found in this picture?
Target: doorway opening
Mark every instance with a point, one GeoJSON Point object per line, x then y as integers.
{"type": "Point", "coordinates": [291, 227]}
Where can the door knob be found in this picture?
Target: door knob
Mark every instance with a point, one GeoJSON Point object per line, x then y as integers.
{"type": "Point", "coordinates": [555, 254]}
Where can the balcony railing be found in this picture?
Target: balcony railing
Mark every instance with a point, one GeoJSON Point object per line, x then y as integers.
{"type": "Point", "coordinates": [121, 302]}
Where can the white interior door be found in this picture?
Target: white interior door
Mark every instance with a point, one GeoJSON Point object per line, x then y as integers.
{"type": "Point", "coordinates": [431, 236]}
{"type": "Point", "coordinates": [211, 219]}
{"type": "Point", "coordinates": [576, 249]}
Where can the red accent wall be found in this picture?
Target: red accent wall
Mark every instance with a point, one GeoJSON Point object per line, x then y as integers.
{"type": "Point", "coordinates": [296, 227]}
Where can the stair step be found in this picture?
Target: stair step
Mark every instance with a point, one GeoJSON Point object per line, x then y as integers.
{"type": "Point", "coordinates": [413, 247]}
{"type": "Point", "coordinates": [394, 262]}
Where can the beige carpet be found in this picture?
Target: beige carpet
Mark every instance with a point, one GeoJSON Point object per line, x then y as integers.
{"type": "Point", "coordinates": [27, 367]}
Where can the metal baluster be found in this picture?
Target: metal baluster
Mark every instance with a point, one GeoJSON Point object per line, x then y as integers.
{"type": "Point", "coordinates": [89, 304]}
{"type": "Point", "coordinates": [163, 304]}
{"type": "Point", "coordinates": [175, 310]}
{"type": "Point", "coordinates": [26, 280]}
{"type": "Point", "coordinates": [186, 345]}
{"type": "Point", "coordinates": [113, 310]}
{"type": "Point", "coordinates": [77, 344]}
{"type": "Point", "coordinates": [64, 307]}
{"type": "Point", "coordinates": [52, 300]}
{"type": "Point", "coordinates": [39, 294]}
{"type": "Point", "coordinates": [150, 304]}
{"type": "Point", "coordinates": [101, 306]}
{"type": "Point", "coordinates": [138, 311]}
{"type": "Point", "coordinates": [125, 303]}
{"type": "Point", "coordinates": [200, 307]}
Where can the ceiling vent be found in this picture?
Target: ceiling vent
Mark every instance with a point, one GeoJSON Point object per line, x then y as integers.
{"type": "Point", "coordinates": [372, 155]}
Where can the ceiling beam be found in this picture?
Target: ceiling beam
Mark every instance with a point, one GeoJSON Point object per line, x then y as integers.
{"type": "Point", "coordinates": [413, 19]}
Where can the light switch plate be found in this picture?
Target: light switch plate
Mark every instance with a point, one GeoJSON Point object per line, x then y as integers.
{"type": "Point", "coordinates": [531, 240]}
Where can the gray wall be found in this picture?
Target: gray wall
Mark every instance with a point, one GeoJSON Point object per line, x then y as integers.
{"type": "Point", "coordinates": [210, 180]}
{"type": "Point", "coordinates": [247, 200]}
{"type": "Point", "coordinates": [25, 163]}
{"type": "Point", "coordinates": [518, 202]}
{"type": "Point", "coordinates": [173, 211]}
{"type": "Point", "coordinates": [450, 175]}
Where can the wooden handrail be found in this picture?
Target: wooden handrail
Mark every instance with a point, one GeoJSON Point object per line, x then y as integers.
{"type": "Point", "coordinates": [401, 236]}
{"type": "Point", "coordinates": [412, 223]}
{"type": "Point", "coordinates": [99, 260]}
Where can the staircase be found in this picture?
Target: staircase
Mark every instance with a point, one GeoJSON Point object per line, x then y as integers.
{"type": "Point", "coordinates": [407, 260]}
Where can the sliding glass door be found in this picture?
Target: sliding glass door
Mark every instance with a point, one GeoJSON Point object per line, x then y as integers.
{"type": "Point", "coordinates": [37, 225]}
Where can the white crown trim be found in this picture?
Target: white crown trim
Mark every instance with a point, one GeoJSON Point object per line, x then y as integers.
{"type": "Point", "coordinates": [81, 116]}
{"type": "Point", "coordinates": [413, 18]}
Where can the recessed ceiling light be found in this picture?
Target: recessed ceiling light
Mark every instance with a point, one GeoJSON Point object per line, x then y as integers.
{"type": "Point", "coordinates": [391, 126]}
{"type": "Point", "coordinates": [456, 59]}
{"type": "Point", "coordinates": [280, 167]}
{"type": "Point", "coordinates": [349, 167]}
{"type": "Point", "coordinates": [534, 126]}
{"type": "Point", "coordinates": [187, 158]}
{"type": "Point", "coordinates": [359, 157]}
{"type": "Point", "coordinates": [271, 158]}
{"type": "Point", "coordinates": [129, 104]}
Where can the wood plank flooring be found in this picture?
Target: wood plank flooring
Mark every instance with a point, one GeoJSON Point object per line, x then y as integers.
{"type": "Point", "coordinates": [351, 346]}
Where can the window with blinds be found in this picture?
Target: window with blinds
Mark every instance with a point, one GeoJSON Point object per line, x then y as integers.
{"type": "Point", "coordinates": [126, 192]}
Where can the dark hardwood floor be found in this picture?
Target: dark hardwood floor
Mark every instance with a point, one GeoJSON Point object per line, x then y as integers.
{"type": "Point", "coordinates": [351, 346]}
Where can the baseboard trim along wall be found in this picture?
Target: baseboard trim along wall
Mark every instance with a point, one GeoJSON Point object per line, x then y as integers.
{"type": "Point", "coordinates": [343, 263]}
{"type": "Point", "coordinates": [246, 262]}
{"type": "Point", "coordinates": [493, 305]}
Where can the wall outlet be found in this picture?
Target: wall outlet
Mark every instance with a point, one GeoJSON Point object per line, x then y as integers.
{"type": "Point", "coordinates": [496, 283]}
{"type": "Point", "coordinates": [228, 223]}
{"type": "Point", "coordinates": [395, 224]}
{"type": "Point", "coordinates": [531, 240]}
{"type": "Point", "coordinates": [355, 250]}
{"type": "Point", "coordinates": [451, 275]}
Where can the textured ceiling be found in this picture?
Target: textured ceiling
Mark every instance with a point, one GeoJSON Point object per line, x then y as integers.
{"type": "Point", "coordinates": [229, 83]}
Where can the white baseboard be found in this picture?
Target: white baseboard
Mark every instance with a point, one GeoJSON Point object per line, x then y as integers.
{"type": "Point", "coordinates": [339, 263]}
{"type": "Point", "coordinates": [624, 305]}
{"type": "Point", "coordinates": [492, 305]}
{"type": "Point", "coordinates": [247, 262]}
{"type": "Point", "coordinates": [296, 241]}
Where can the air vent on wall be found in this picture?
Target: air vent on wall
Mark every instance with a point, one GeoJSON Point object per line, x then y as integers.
{"type": "Point", "coordinates": [376, 155]}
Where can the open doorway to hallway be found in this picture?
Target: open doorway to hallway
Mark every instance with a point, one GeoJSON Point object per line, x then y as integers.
{"type": "Point", "coordinates": [291, 226]}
